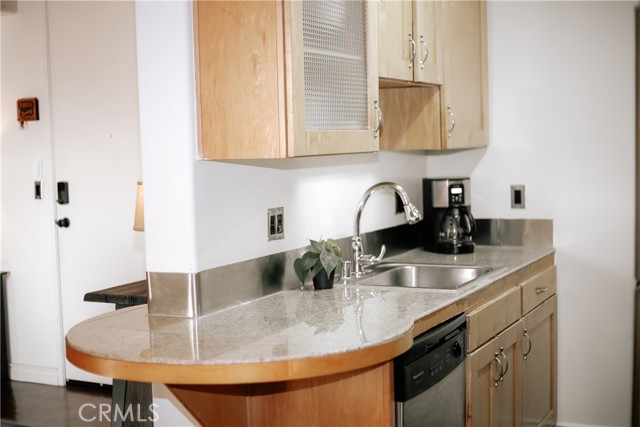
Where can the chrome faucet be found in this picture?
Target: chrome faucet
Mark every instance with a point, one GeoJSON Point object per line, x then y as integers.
{"type": "Point", "coordinates": [411, 213]}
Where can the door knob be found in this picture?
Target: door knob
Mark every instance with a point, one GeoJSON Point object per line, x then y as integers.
{"type": "Point", "coordinates": [64, 222]}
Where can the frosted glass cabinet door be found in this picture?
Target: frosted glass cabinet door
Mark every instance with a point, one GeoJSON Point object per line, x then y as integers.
{"type": "Point", "coordinates": [335, 78]}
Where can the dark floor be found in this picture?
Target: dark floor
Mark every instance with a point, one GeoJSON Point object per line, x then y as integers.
{"type": "Point", "coordinates": [35, 405]}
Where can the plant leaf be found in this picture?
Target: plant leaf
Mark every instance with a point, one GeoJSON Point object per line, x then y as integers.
{"type": "Point", "coordinates": [333, 246]}
{"type": "Point", "coordinates": [315, 246]}
{"type": "Point", "coordinates": [316, 269]}
{"type": "Point", "coordinates": [329, 261]}
{"type": "Point", "coordinates": [309, 259]}
{"type": "Point", "coordinates": [301, 271]}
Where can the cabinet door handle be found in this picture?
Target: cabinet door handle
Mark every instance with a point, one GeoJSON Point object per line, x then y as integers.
{"type": "Point", "coordinates": [413, 50]}
{"type": "Point", "coordinates": [525, 354]}
{"type": "Point", "coordinates": [426, 51]}
{"type": "Point", "coordinates": [496, 382]}
{"type": "Point", "coordinates": [453, 121]}
{"type": "Point", "coordinates": [541, 290]}
{"type": "Point", "coordinates": [506, 364]}
{"type": "Point", "coordinates": [379, 116]}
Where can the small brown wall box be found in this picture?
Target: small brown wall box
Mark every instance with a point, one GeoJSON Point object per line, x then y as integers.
{"type": "Point", "coordinates": [27, 110]}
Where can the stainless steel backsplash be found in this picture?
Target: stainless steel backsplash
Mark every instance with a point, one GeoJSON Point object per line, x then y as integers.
{"type": "Point", "coordinates": [197, 294]}
{"type": "Point", "coordinates": [514, 232]}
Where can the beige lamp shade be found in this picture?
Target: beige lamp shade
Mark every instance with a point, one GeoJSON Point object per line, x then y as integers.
{"type": "Point", "coordinates": [138, 222]}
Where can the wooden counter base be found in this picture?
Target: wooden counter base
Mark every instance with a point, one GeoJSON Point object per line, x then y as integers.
{"type": "Point", "coordinates": [356, 398]}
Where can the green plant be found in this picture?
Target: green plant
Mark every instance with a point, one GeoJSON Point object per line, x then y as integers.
{"type": "Point", "coordinates": [325, 254]}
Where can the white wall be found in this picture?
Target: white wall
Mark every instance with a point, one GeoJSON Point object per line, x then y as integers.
{"type": "Point", "coordinates": [166, 87]}
{"type": "Point", "coordinates": [319, 196]}
{"type": "Point", "coordinates": [561, 94]}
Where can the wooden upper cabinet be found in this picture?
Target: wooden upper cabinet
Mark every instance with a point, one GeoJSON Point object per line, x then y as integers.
{"type": "Point", "coordinates": [409, 42]}
{"type": "Point", "coordinates": [464, 90]}
{"type": "Point", "coordinates": [285, 78]}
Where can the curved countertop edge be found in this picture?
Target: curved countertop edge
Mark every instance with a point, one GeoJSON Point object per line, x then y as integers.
{"type": "Point", "coordinates": [305, 367]}
{"type": "Point", "coordinates": [243, 373]}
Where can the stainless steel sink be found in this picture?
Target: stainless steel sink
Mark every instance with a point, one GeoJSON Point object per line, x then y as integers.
{"type": "Point", "coordinates": [448, 277]}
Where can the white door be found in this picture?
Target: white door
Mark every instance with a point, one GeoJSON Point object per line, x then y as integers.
{"type": "Point", "coordinates": [96, 145]}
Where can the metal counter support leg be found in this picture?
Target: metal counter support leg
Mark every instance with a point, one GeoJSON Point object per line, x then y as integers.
{"type": "Point", "coordinates": [117, 400]}
{"type": "Point", "coordinates": [134, 400]}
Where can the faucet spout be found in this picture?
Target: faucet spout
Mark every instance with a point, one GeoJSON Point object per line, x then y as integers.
{"type": "Point", "coordinates": [411, 213]}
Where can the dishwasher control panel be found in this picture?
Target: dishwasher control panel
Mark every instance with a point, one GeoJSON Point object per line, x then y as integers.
{"type": "Point", "coordinates": [432, 357]}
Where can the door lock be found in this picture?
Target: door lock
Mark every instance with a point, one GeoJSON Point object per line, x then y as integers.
{"type": "Point", "coordinates": [63, 223]}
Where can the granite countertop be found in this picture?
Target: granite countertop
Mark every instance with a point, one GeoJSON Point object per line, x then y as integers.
{"type": "Point", "coordinates": [288, 325]}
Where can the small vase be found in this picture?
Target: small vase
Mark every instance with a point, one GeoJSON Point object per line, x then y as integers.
{"type": "Point", "coordinates": [322, 281]}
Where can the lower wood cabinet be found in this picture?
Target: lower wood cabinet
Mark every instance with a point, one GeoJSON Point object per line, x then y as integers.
{"type": "Point", "coordinates": [512, 371]}
{"type": "Point", "coordinates": [494, 381]}
{"type": "Point", "coordinates": [539, 364]}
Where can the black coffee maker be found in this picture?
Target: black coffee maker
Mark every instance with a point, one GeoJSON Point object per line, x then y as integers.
{"type": "Point", "coordinates": [448, 226]}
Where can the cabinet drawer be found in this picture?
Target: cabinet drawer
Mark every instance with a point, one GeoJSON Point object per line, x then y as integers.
{"type": "Point", "coordinates": [538, 289]}
{"type": "Point", "coordinates": [493, 317]}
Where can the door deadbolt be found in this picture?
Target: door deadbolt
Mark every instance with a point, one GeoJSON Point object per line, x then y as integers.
{"type": "Point", "coordinates": [64, 222]}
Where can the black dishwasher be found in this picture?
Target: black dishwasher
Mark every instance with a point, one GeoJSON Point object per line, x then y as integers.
{"type": "Point", "coordinates": [430, 378]}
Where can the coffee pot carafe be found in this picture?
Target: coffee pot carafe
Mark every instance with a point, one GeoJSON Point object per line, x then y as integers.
{"type": "Point", "coordinates": [449, 226]}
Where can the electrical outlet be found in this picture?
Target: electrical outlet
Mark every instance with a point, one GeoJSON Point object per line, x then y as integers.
{"type": "Point", "coordinates": [517, 197]}
{"type": "Point", "coordinates": [275, 224]}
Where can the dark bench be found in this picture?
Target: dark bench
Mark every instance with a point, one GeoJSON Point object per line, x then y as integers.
{"type": "Point", "coordinates": [127, 393]}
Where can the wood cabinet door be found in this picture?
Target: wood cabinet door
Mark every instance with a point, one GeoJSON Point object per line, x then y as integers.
{"type": "Point", "coordinates": [240, 79]}
{"type": "Point", "coordinates": [539, 365]}
{"type": "Point", "coordinates": [427, 30]}
{"type": "Point", "coordinates": [395, 35]}
{"type": "Point", "coordinates": [464, 93]}
{"type": "Point", "coordinates": [494, 382]}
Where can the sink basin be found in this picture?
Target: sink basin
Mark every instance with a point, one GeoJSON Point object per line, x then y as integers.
{"type": "Point", "coordinates": [448, 277]}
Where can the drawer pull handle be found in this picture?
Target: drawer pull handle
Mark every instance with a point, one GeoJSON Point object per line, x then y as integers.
{"type": "Point", "coordinates": [529, 347]}
{"type": "Point", "coordinates": [496, 383]}
{"type": "Point", "coordinates": [540, 291]}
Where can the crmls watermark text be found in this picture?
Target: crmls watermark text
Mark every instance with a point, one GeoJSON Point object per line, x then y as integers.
{"type": "Point", "coordinates": [90, 412]}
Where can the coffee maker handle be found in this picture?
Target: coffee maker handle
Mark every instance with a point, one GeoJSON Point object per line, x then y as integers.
{"type": "Point", "coordinates": [472, 224]}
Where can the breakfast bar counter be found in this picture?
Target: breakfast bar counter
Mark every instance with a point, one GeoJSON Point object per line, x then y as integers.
{"type": "Point", "coordinates": [292, 334]}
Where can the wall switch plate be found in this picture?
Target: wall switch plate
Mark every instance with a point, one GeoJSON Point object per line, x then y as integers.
{"type": "Point", "coordinates": [517, 197]}
{"type": "Point", "coordinates": [275, 224]}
